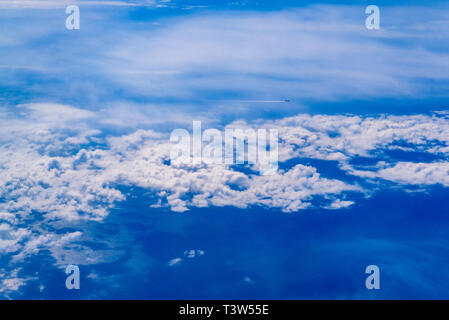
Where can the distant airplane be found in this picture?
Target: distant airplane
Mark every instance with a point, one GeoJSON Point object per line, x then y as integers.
{"type": "Point", "coordinates": [269, 101]}
{"type": "Point", "coordinates": [258, 101]}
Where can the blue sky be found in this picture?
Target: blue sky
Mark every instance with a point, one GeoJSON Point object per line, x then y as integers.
{"type": "Point", "coordinates": [84, 150]}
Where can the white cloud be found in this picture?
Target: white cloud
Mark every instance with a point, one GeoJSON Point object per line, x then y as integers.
{"type": "Point", "coordinates": [54, 4]}
{"type": "Point", "coordinates": [315, 53]}
{"type": "Point", "coordinates": [48, 112]}
{"type": "Point", "coordinates": [344, 137]}
{"type": "Point", "coordinates": [11, 238]}
{"type": "Point", "coordinates": [44, 241]}
{"type": "Point", "coordinates": [81, 185]}
{"type": "Point", "coordinates": [188, 254]}
{"type": "Point", "coordinates": [310, 55]}
{"type": "Point", "coordinates": [68, 176]}
{"type": "Point", "coordinates": [11, 282]}
{"type": "Point", "coordinates": [56, 161]}
{"type": "Point", "coordinates": [339, 204]}
{"type": "Point", "coordinates": [174, 262]}
{"type": "Point", "coordinates": [410, 173]}
{"type": "Point", "coordinates": [248, 280]}
{"type": "Point", "coordinates": [193, 253]}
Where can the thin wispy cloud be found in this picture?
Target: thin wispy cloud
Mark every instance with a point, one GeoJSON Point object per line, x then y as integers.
{"type": "Point", "coordinates": [54, 4]}
{"type": "Point", "coordinates": [321, 53]}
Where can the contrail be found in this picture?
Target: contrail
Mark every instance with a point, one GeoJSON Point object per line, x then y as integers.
{"type": "Point", "coordinates": [258, 101]}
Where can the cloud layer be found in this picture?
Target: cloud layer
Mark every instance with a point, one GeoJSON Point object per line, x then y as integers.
{"type": "Point", "coordinates": [63, 166]}
{"type": "Point", "coordinates": [218, 63]}
{"type": "Point", "coordinates": [60, 171]}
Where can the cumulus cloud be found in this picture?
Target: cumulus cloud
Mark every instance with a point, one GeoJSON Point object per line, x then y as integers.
{"type": "Point", "coordinates": [11, 238]}
{"type": "Point", "coordinates": [66, 176]}
{"type": "Point", "coordinates": [410, 173]}
{"type": "Point", "coordinates": [174, 262]}
{"type": "Point", "coordinates": [11, 281]}
{"type": "Point", "coordinates": [82, 184]}
{"type": "Point", "coordinates": [188, 254]}
{"type": "Point", "coordinates": [193, 253]}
